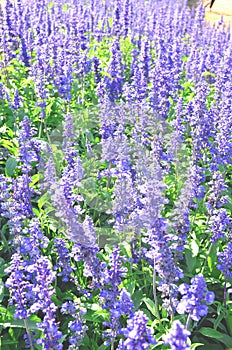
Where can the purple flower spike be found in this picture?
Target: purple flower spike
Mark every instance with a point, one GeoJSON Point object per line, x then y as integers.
{"type": "Point", "coordinates": [193, 297]}
{"type": "Point", "coordinates": [225, 261]}
{"type": "Point", "coordinates": [177, 337]}
{"type": "Point", "coordinates": [138, 335]}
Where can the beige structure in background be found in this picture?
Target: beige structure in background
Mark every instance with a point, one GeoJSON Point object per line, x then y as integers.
{"type": "Point", "coordinates": [220, 8]}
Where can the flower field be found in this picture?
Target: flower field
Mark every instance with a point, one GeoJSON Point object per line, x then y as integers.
{"type": "Point", "coordinates": [115, 176]}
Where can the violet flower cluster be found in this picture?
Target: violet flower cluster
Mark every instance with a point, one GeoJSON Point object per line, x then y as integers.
{"type": "Point", "coordinates": [195, 298]}
{"type": "Point", "coordinates": [18, 205]}
{"type": "Point", "coordinates": [76, 326]}
{"type": "Point", "coordinates": [117, 301]}
{"type": "Point", "coordinates": [224, 260]}
{"type": "Point", "coordinates": [137, 334]}
{"type": "Point", "coordinates": [177, 337]}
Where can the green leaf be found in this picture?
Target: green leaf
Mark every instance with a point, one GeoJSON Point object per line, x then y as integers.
{"type": "Point", "coordinates": [190, 260]}
{"type": "Point", "coordinates": [44, 199]}
{"type": "Point", "coordinates": [150, 305]}
{"type": "Point", "coordinates": [10, 145]}
{"type": "Point", "coordinates": [137, 298]}
{"type": "Point", "coordinates": [213, 333]}
{"type": "Point", "coordinates": [1, 290]}
{"type": "Point", "coordinates": [15, 323]}
{"type": "Point", "coordinates": [194, 248]}
{"type": "Point", "coordinates": [229, 323]}
{"type": "Point", "coordinates": [35, 179]}
{"type": "Point", "coordinates": [212, 258]}
{"type": "Point", "coordinates": [195, 345]}
{"type": "Point", "coordinates": [10, 166]}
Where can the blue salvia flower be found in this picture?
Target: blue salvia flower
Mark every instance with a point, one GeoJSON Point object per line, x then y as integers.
{"type": "Point", "coordinates": [138, 335]}
{"type": "Point", "coordinates": [97, 70]}
{"type": "Point", "coordinates": [216, 196]}
{"type": "Point", "coordinates": [93, 266]}
{"type": "Point", "coordinates": [140, 67]}
{"type": "Point", "coordinates": [32, 241]}
{"type": "Point", "coordinates": [68, 133]}
{"type": "Point", "coordinates": [163, 261]}
{"type": "Point", "coordinates": [29, 340]}
{"type": "Point", "coordinates": [134, 55]}
{"type": "Point", "coordinates": [17, 103]}
{"type": "Point", "coordinates": [126, 17]}
{"type": "Point", "coordinates": [5, 185]}
{"type": "Point", "coordinates": [24, 50]}
{"type": "Point", "coordinates": [71, 176]}
{"type": "Point", "coordinates": [218, 224]}
{"type": "Point", "coordinates": [18, 207]}
{"type": "Point", "coordinates": [19, 204]}
{"type": "Point", "coordinates": [138, 92]}
{"type": "Point", "coordinates": [29, 147]}
{"type": "Point", "coordinates": [73, 169]}
{"type": "Point", "coordinates": [225, 260]}
{"type": "Point", "coordinates": [125, 201]}
{"type": "Point", "coordinates": [177, 337]}
{"type": "Point", "coordinates": [194, 298]}
{"type": "Point", "coordinates": [180, 220]}
{"type": "Point", "coordinates": [67, 214]}
{"type": "Point", "coordinates": [63, 260]}
{"type": "Point", "coordinates": [2, 91]}
{"type": "Point", "coordinates": [145, 57]}
{"type": "Point", "coordinates": [86, 243]}
{"type": "Point", "coordinates": [117, 18]}
{"type": "Point", "coordinates": [125, 194]}
{"type": "Point", "coordinates": [66, 201]}
{"type": "Point", "coordinates": [223, 125]}
{"type": "Point", "coordinates": [107, 131]}
{"type": "Point", "coordinates": [9, 34]}
{"type": "Point", "coordinates": [201, 122]}
{"type": "Point", "coordinates": [161, 84]}
{"type": "Point", "coordinates": [111, 86]}
{"type": "Point", "coordinates": [218, 218]}
{"type": "Point", "coordinates": [158, 250]}
{"type": "Point", "coordinates": [19, 285]}
{"type": "Point", "coordinates": [8, 13]}
{"type": "Point", "coordinates": [77, 327]}
{"type": "Point", "coordinates": [43, 291]}
{"type": "Point", "coordinates": [63, 196]}
{"type": "Point", "coordinates": [64, 75]}
{"type": "Point", "coordinates": [118, 302]}
{"type": "Point", "coordinates": [40, 74]}
{"type": "Point", "coordinates": [151, 191]}
{"type": "Point", "coordinates": [176, 137]}
{"type": "Point", "coordinates": [82, 30]}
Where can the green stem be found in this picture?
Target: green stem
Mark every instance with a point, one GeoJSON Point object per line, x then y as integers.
{"type": "Point", "coordinates": [154, 292]}
{"type": "Point", "coordinates": [4, 239]}
{"type": "Point", "coordinates": [108, 178]}
{"type": "Point", "coordinates": [112, 344]}
{"type": "Point", "coordinates": [204, 264]}
{"type": "Point", "coordinates": [224, 294]}
{"type": "Point", "coordinates": [28, 333]}
{"type": "Point", "coordinates": [47, 134]}
{"type": "Point", "coordinates": [188, 322]}
{"type": "Point", "coordinates": [40, 129]}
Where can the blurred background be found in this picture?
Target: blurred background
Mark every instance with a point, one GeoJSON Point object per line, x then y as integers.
{"type": "Point", "coordinates": [219, 8]}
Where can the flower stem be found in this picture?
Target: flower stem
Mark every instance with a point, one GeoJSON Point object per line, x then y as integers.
{"type": "Point", "coordinates": [188, 321]}
{"type": "Point", "coordinates": [154, 292]}
{"type": "Point", "coordinates": [224, 294]}
{"type": "Point", "coordinates": [204, 264]}
{"type": "Point", "coordinates": [28, 333]}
